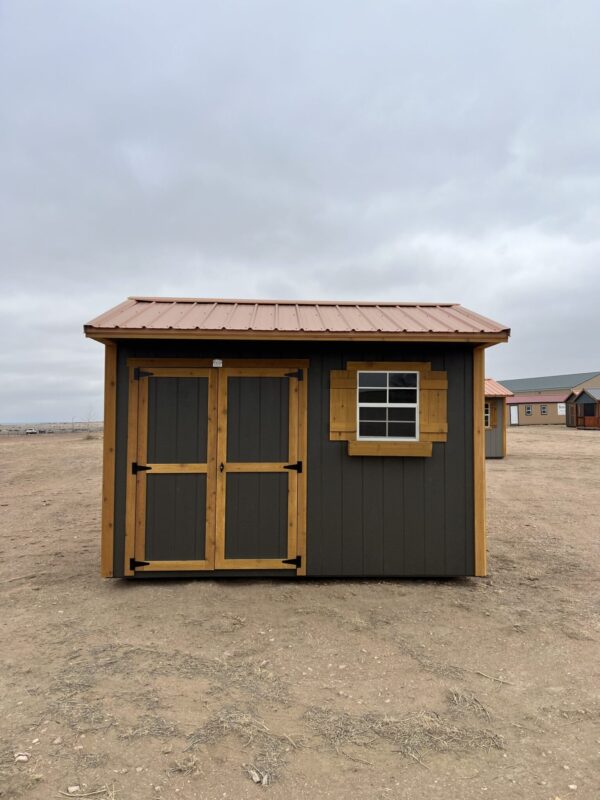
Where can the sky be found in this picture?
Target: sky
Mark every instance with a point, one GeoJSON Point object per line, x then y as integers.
{"type": "Point", "coordinates": [443, 150]}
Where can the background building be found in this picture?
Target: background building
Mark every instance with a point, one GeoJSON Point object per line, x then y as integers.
{"type": "Point", "coordinates": [495, 417]}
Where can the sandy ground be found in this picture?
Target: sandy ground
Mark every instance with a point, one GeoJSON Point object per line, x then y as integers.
{"type": "Point", "coordinates": [481, 688]}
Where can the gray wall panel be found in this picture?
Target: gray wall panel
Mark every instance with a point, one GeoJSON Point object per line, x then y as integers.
{"type": "Point", "coordinates": [256, 518]}
{"type": "Point", "coordinates": [177, 420]}
{"type": "Point", "coordinates": [175, 517]}
{"type": "Point", "coordinates": [257, 419]}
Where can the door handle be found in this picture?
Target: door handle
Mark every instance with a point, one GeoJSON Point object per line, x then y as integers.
{"type": "Point", "coordinates": [221, 467]}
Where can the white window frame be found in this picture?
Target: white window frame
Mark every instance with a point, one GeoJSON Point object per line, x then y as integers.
{"type": "Point", "coordinates": [544, 409]}
{"type": "Point", "coordinates": [487, 415]}
{"type": "Point", "coordinates": [528, 410]}
{"type": "Point", "coordinates": [360, 405]}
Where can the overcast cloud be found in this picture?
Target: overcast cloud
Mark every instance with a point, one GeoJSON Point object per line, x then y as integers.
{"type": "Point", "coordinates": [418, 150]}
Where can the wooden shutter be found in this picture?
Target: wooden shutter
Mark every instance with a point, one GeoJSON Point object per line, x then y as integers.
{"type": "Point", "coordinates": [433, 407]}
{"type": "Point", "coordinates": [493, 413]}
{"type": "Point", "coordinates": [433, 415]}
{"type": "Point", "coordinates": [342, 405]}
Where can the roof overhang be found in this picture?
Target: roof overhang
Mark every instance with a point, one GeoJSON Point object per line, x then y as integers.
{"type": "Point", "coordinates": [103, 334]}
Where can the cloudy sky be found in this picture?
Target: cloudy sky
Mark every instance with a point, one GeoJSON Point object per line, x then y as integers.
{"type": "Point", "coordinates": [386, 150]}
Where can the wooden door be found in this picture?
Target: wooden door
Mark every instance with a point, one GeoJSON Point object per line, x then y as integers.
{"type": "Point", "coordinates": [259, 468]}
{"type": "Point", "coordinates": [171, 492]}
{"type": "Point", "coordinates": [216, 468]}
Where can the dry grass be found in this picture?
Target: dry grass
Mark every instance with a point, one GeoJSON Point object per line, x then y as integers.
{"type": "Point", "coordinates": [466, 701]}
{"type": "Point", "coordinates": [412, 735]}
{"type": "Point", "coordinates": [269, 749]}
{"type": "Point", "coordinates": [157, 727]}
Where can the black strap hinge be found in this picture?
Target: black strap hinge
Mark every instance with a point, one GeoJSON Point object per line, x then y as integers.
{"type": "Point", "coordinates": [297, 561]}
{"type": "Point", "coordinates": [135, 468]}
{"type": "Point", "coordinates": [140, 373]}
{"type": "Point", "coordinates": [133, 564]}
{"type": "Point", "coordinates": [298, 374]}
{"type": "Point", "coordinates": [297, 466]}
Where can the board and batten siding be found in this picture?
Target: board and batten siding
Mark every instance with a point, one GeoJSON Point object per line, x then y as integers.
{"type": "Point", "coordinates": [494, 437]}
{"type": "Point", "coordinates": [366, 516]}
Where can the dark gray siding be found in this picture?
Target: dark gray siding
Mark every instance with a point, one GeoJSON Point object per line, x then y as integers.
{"type": "Point", "coordinates": [366, 516]}
{"type": "Point", "coordinates": [494, 437]}
{"type": "Point", "coordinates": [175, 517]}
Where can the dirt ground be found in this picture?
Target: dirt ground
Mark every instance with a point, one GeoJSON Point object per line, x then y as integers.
{"type": "Point", "coordinates": [478, 688]}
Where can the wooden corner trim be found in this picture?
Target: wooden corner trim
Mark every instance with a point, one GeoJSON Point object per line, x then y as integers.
{"type": "Point", "coordinates": [479, 519]}
{"type": "Point", "coordinates": [108, 460]}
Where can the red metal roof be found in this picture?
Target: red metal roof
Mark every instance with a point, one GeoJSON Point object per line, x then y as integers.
{"type": "Point", "coordinates": [538, 398]}
{"type": "Point", "coordinates": [495, 389]}
{"type": "Point", "coordinates": [289, 318]}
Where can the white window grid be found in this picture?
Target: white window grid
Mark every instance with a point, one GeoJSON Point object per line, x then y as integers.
{"type": "Point", "coordinates": [360, 405]}
{"type": "Point", "coordinates": [528, 410]}
{"type": "Point", "coordinates": [487, 415]}
{"type": "Point", "coordinates": [543, 409]}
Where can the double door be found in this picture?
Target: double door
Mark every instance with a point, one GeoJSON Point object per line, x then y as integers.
{"type": "Point", "coordinates": [216, 466]}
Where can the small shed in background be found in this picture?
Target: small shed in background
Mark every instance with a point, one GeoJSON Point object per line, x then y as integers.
{"type": "Point", "coordinates": [495, 418]}
{"type": "Point", "coordinates": [583, 409]}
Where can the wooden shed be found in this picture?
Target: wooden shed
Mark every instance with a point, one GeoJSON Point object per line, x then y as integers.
{"type": "Point", "coordinates": [583, 409]}
{"type": "Point", "coordinates": [283, 438]}
{"type": "Point", "coordinates": [495, 418]}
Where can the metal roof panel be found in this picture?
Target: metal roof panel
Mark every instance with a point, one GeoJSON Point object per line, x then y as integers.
{"type": "Point", "coordinates": [300, 317]}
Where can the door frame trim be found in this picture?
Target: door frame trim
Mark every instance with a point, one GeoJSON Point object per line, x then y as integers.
{"type": "Point", "coordinates": [137, 429]}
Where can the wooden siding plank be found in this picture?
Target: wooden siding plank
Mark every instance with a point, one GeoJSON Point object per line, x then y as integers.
{"type": "Point", "coordinates": [130, 503]}
{"type": "Point", "coordinates": [108, 461]}
{"type": "Point", "coordinates": [141, 477]}
{"type": "Point", "coordinates": [479, 461]}
{"type": "Point", "coordinates": [302, 477]}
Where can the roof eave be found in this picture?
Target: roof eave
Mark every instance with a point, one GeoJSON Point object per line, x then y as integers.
{"type": "Point", "coordinates": [486, 338]}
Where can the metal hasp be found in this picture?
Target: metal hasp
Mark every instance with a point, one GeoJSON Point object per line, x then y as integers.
{"type": "Point", "coordinates": [298, 374]}
{"type": "Point", "coordinates": [297, 561]}
{"type": "Point", "coordinates": [297, 466]}
{"type": "Point", "coordinates": [133, 564]}
{"type": "Point", "coordinates": [135, 468]}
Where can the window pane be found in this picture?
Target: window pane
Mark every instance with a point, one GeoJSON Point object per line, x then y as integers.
{"type": "Point", "coordinates": [400, 379]}
{"type": "Point", "coordinates": [372, 428]}
{"type": "Point", "coordinates": [402, 429]}
{"type": "Point", "coordinates": [372, 413]}
{"type": "Point", "coordinates": [372, 395]}
{"type": "Point", "coordinates": [403, 395]}
{"type": "Point", "coordinates": [402, 414]}
{"type": "Point", "coordinates": [372, 379]}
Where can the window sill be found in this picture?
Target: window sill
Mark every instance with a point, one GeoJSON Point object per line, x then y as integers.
{"type": "Point", "coordinates": [377, 448]}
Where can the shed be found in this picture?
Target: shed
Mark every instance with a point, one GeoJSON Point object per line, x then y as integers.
{"type": "Point", "coordinates": [537, 409]}
{"type": "Point", "coordinates": [495, 418]}
{"type": "Point", "coordinates": [583, 409]}
{"type": "Point", "coordinates": [283, 438]}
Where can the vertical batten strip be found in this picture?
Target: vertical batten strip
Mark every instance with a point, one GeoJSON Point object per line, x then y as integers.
{"type": "Point", "coordinates": [130, 502]}
{"type": "Point", "coordinates": [108, 459]}
{"type": "Point", "coordinates": [302, 477]}
{"type": "Point", "coordinates": [479, 461]}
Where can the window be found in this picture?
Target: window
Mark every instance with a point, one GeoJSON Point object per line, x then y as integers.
{"type": "Point", "coordinates": [543, 410]}
{"type": "Point", "coordinates": [487, 416]}
{"type": "Point", "coordinates": [388, 405]}
{"type": "Point", "coordinates": [528, 411]}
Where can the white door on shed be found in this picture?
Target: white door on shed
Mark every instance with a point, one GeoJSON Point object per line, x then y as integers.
{"type": "Point", "coordinates": [514, 415]}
